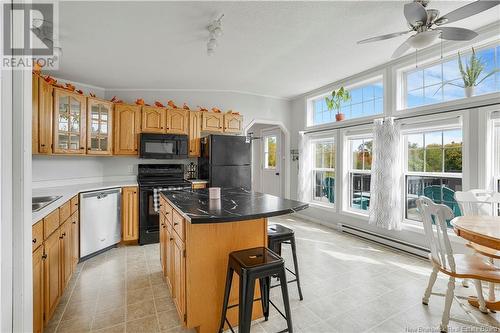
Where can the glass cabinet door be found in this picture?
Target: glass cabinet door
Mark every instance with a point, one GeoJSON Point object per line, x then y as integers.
{"type": "Point", "coordinates": [99, 133]}
{"type": "Point", "coordinates": [69, 117]}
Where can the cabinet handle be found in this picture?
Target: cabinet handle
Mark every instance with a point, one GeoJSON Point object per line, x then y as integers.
{"type": "Point", "coordinates": [89, 148]}
{"type": "Point", "coordinates": [74, 222]}
{"type": "Point", "coordinates": [61, 237]}
{"type": "Point", "coordinates": [44, 256]}
{"type": "Point", "coordinates": [82, 148]}
{"type": "Point", "coordinates": [171, 238]}
{"type": "Point", "coordinates": [34, 240]}
{"type": "Point", "coordinates": [176, 223]}
{"type": "Point", "coordinates": [42, 145]}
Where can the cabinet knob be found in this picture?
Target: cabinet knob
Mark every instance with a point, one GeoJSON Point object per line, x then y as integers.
{"type": "Point", "coordinates": [61, 237]}
{"type": "Point", "coordinates": [171, 238]}
{"type": "Point", "coordinates": [42, 145]}
{"type": "Point", "coordinates": [82, 147]}
{"type": "Point", "coordinates": [176, 223]}
{"type": "Point", "coordinates": [89, 148]}
{"type": "Point", "coordinates": [44, 256]}
{"type": "Point", "coordinates": [34, 240]}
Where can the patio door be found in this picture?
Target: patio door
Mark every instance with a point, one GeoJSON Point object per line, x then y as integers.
{"type": "Point", "coordinates": [271, 162]}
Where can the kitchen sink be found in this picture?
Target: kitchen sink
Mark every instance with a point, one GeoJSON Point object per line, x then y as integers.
{"type": "Point", "coordinates": [38, 203]}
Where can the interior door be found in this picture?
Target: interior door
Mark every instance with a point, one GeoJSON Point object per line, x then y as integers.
{"type": "Point", "coordinates": [271, 162]}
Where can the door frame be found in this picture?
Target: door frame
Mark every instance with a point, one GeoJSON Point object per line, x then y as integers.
{"type": "Point", "coordinates": [285, 148]}
{"type": "Point", "coordinates": [269, 131]}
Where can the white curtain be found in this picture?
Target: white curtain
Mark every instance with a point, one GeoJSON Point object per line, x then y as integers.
{"type": "Point", "coordinates": [304, 188]}
{"type": "Point", "coordinates": [385, 191]}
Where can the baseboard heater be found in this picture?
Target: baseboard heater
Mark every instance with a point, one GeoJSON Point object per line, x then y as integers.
{"type": "Point", "coordinates": [384, 240]}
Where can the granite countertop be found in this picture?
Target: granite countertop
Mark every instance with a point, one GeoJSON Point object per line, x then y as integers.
{"type": "Point", "coordinates": [69, 191]}
{"type": "Point", "coordinates": [234, 205]}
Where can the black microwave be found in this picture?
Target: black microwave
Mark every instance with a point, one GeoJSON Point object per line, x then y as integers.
{"type": "Point", "coordinates": [163, 146]}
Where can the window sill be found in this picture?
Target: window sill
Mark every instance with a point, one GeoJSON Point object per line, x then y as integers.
{"type": "Point", "coordinates": [356, 214]}
{"type": "Point", "coordinates": [349, 122]}
{"type": "Point", "coordinates": [323, 206]}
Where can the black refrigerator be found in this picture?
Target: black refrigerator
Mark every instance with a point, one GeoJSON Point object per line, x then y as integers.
{"type": "Point", "coordinates": [226, 161]}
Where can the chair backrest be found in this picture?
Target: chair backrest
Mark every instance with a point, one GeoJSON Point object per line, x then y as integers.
{"type": "Point", "coordinates": [437, 238]}
{"type": "Point", "coordinates": [478, 202]}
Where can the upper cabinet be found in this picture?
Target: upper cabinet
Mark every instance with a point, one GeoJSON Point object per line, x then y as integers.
{"type": "Point", "coordinates": [99, 127]}
{"type": "Point", "coordinates": [154, 120]}
{"type": "Point", "coordinates": [212, 122]}
{"type": "Point", "coordinates": [164, 121]}
{"type": "Point", "coordinates": [233, 123]}
{"type": "Point", "coordinates": [194, 133]}
{"type": "Point", "coordinates": [127, 128]}
{"type": "Point", "coordinates": [177, 121]}
{"type": "Point", "coordinates": [42, 116]}
{"type": "Point", "coordinates": [69, 122]}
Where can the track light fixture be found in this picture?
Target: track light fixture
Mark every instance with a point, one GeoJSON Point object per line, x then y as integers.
{"type": "Point", "coordinates": [215, 31]}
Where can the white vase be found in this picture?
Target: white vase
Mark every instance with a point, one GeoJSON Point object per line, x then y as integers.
{"type": "Point", "coordinates": [469, 91]}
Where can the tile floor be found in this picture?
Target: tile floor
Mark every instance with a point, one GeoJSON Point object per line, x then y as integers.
{"type": "Point", "coordinates": [349, 285]}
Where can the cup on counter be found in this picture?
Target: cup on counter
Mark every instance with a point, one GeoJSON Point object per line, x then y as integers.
{"type": "Point", "coordinates": [214, 193]}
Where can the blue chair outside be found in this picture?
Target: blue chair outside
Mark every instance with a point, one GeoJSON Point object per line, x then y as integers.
{"type": "Point", "coordinates": [443, 195]}
{"type": "Point", "coordinates": [329, 189]}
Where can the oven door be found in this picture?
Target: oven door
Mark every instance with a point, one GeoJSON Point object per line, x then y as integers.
{"type": "Point", "coordinates": [149, 220]}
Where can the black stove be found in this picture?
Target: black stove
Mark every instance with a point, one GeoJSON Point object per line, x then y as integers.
{"type": "Point", "coordinates": [153, 177]}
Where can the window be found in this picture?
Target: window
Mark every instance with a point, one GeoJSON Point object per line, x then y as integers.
{"type": "Point", "coordinates": [270, 152]}
{"type": "Point", "coordinates": [436, 83]}
{"type": "Point", "coordinates": [324, 170]}
{"type": "Point", "coordinates": [496, 152]}
{"type": "Point", "coordinates": [366, 100]}
{"type": "Point", "coordinates": [433, 168]}
{"type": "Point", "coordinates": [359, 172]}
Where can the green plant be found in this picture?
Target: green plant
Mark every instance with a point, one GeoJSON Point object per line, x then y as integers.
{"type": "Point", "coordinates": [338, 96]}
{"type": "Point", "coordinates": [470, 74]}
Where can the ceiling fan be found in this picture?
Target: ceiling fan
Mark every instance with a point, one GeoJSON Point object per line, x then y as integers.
{"type": "Point", "coordinates": [427, 24]}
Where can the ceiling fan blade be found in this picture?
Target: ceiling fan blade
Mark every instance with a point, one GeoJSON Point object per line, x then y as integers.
{"type": "Point", "coordinates": [383, 37]}
{"type": "Point", "coordinates": [458, 34]}
{"type": "Point", "coordinates": [467, 10]}
{"type": "Point", "coordinates": [415, 14]}
{"type": "Point", "coordinates": [401, 49]}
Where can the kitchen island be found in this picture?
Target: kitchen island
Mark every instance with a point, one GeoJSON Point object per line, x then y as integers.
{"type": "Point", "coordinates": [196, 236]}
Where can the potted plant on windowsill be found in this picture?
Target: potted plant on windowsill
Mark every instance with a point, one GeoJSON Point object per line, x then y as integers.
{"type": "Point", "coordinates": [470, 72]}
{"type": "Point", "coordinates": [333, 102]}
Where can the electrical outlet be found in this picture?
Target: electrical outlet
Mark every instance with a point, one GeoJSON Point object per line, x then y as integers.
{"type": "Point", "coordinates": [131, 169]}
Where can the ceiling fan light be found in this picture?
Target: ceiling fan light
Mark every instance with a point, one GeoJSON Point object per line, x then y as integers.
{"type": "Point", "coordinates": [423, 39]}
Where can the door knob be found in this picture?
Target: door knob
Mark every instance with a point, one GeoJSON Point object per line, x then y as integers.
{"type": "Point", "coordinates": [277, 173]}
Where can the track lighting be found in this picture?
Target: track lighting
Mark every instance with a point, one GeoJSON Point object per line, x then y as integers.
{"type": "Point", "coordinates": [215, 31]}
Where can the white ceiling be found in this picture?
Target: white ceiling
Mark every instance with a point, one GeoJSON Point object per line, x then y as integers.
{"type": "Point", "coordinates": [271, 48]}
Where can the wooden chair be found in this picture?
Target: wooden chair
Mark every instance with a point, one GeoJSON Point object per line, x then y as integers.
{"type": "Point", "coordinates": [454, 265]}
{"type": "Point", "coordinates": [480, 203]}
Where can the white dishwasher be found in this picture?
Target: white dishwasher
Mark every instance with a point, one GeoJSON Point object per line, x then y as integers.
{"type": "Point", "coordinates": [100, 221]}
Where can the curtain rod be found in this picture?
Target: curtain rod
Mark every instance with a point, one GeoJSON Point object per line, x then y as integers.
{"type": "Point", "coordinates": [397, 118]}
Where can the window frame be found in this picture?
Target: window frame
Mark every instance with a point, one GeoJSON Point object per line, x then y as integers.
{"type": "Point", "coordinates": [330, 137]}
{"type": "Point", "coordinates": [377, 77]}
{"type": "Point", "coordinates": [496, 153]}
{"type": "Point", "coordinates": [400, 82]}
{"type": "Point", "coordinates": [427, 127]}
{"type": "Point", "coordinates": [349, 171]}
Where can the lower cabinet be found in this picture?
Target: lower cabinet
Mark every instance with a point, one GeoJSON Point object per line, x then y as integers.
{"type": "Point", "coordinates": [55, 256]}
{"type": "Point", "coordinates": [66, 254]}
{"type": "Point", "coordinates": [38, 290]}
{"type": "Point", "coordinates": [51, 274]}
{"type": "Point", "coordinates": [130, 214]}
{"type": "Point", "coordinates": [173, 254]}
{"type": "Point", "coordinates": [179, 274]}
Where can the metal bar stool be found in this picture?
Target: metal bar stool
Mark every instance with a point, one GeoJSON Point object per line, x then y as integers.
{"type": "Point", "coordinates": [252, 264]}
{"type": "Point", "coordinates": [278, 234]}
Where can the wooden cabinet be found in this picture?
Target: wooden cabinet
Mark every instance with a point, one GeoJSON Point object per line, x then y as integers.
{"type": "Point", "coordinates": [179, 274]}
{"type": "Point", "coordinates": [130, 214]}
{"type": "Point", "coordinates": [38, 290]}
{"type": "Point", "coordinates": [177, 121]}
{"type": "Point", "coordinates": [127, 128]}
{"type": "Point", "coordinates": [194, 133]}
{"type": "Point", "coordinates": [51, 274]}
{"type": "Point", "coordinates": [99, 127]}
{"type": "Point", "coordinates": [37, 235]}
{"type": "Point", "coordinates": [163, 235]}
{"type": "Point", "coordinates": [75, 240]}
{"type": "Point", "coordinates": [197, 186]}
{"type": "Point", "coordinates": [154, 120]}
{"type": "Point", "coordinates": [69, 122]}
{"type": "Point", "coordinates": [34, 113]}
{"type": "Point", "coordinates": [45, 117]}
{"type": "Point", "coordinates": [169, 258]}
{"type": "Point", "coordinates": [50, 223]}
{"type": "Point", "coordinates": [233, 123]}
{"type": "Point", "coordinates": [66, 254]}
{"type": "Point", "coordinates": [212, 122]}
